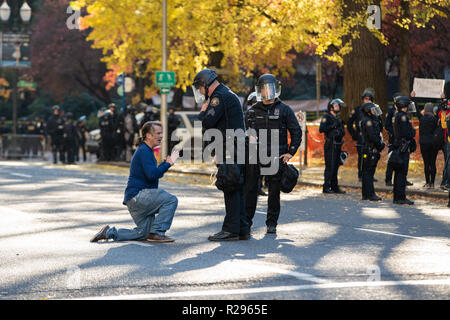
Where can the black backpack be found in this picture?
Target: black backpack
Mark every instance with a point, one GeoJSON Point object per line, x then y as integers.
{"type": "Point", "coordinates": [289, 177]}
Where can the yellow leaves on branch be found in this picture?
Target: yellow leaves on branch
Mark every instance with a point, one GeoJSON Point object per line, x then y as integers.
{"type": "Point", "coordinates": [251, 35]}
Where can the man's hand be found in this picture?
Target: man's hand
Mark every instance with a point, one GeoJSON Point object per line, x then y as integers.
{"type": "Point", "coordinates": [286, 157]}
{"type": "Point", "coordinates": [205, 106]}
{"type": "Point", "coordinates": [173, 157]}
{"type": "Point", "coordinates": [413, 94]}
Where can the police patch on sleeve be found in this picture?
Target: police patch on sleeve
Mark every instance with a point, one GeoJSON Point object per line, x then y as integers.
{"type": "Point", "coordinates": [404, 119]}
{"type": "Point", "coordinates": [369, 123]}
{"type": "Point", "coordinates": [214, 102]}
{"type": "Point", "coordinates": [324, 120]}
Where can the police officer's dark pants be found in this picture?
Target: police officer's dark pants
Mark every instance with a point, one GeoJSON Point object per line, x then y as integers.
{"type": "Point", "coordinates": [235, 218]}
{"type": "Point", "coordinates": [108, 148]}
{"type": "Point", "coordinates": [359, 149]}
{"type": "Point", "coordinates": [332, 153]}
{"type": "Point", "coordinates": [251, 195]}
{"type": "Point", "coordinates": [58, 147]}
{"type": "Point", "coordinates": [369, 166]}
{"type": "Point", "coordinates": [70, 150]}
{"type": "Point", "coordinates": [389, 169]}
{"type": "Point", "coordinates": [400, 177]}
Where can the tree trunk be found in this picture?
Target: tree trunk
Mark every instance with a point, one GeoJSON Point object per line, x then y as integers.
{"type": "Point", "coordinates": [404, 80]}
{"type": "Point", "coordinates": [364, 66]}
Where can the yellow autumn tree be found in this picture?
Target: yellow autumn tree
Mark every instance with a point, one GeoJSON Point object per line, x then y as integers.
{"type": "Point", "coordinates": [247, 36]}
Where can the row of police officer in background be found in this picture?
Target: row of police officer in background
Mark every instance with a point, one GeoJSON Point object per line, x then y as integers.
{"type": "Point", "coordinates": [119, 131]}
{"type": "Point", "coordinates": [365, 126]}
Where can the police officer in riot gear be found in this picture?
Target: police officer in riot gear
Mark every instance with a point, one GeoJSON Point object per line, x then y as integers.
{"type": "Point", "coordinates": [270, 115]}
{"type": "Point", "coordinates": [82, 133]}
{"type": "Point", "coordinates": [148, 116]}
{"type": "Point", "coordinates": [334, 131]}
{"type": "Point", "coordinates": [55, 128]}
{"type": "Point", "coordinates": [388, 124]}
{"type": "Point", "coordinates": [172, 122]}
{"type": "Point", "coordinates": [222, 110]}
{"type": "Point", "coordinates": [372, 146]}
{"type": "Point", "coordinates": [404, 133]}
{"type": "Point", "coordinates": [106, 124]}
{"type": "Point", "coordinates": [353, 125]}
{"type": "Point", "coordinates": [70, 138]}
{"type": "Point", "coordinates": [130, 129]}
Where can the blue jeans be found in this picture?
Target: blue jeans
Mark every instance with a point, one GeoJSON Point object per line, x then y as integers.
{"type": "Point", "coordinates": [152, 210]}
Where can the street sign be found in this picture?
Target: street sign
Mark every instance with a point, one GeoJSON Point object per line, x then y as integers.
{"type": "Point", "coordinates": [165, 90]}
{"type": "Point", "coordinates": [26, 84]}
{"type": "Point", "coordinates": [165, 79]}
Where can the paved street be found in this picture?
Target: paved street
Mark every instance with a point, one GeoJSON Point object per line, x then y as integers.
{"type": "Point", "coordinates": [327, 247]}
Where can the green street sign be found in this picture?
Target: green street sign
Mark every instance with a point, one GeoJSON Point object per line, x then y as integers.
{"type": "Point", "coordinates": [165, 90]}
{"type": "Point", "coordinates": [165, 79]}
{"type": "Point", "coordinates": [26, 84]}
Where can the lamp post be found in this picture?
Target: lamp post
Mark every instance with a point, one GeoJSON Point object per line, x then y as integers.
{"type": "Point", "coordinates": [25, 15]}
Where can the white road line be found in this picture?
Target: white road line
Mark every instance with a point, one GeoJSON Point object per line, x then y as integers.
{"type": "Point", "coordinates": [335, 285]}
{"type": "Point", "coordinates": [276, 268]}
{"type": "Point", "coordinates": [77, 183]}
{"type": "Point", "coordinates": [400, 235]}
{"type": "Point", "coordinates": [21, 175]}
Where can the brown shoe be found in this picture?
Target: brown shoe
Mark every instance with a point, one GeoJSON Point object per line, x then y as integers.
{"type": "Point", "coordinates": [101, 235]}
{"type": "Point", "coordinates": [153, 237]}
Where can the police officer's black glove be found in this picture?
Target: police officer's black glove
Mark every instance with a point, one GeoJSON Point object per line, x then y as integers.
{"type": "Point", "coordinates": [381, 146]}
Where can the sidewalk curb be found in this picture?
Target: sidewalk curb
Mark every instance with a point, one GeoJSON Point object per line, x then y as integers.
{"type": "Point", "coordinates": [443, 195]}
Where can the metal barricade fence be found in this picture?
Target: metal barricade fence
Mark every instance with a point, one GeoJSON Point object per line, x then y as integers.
{"type": "Point", "coordinates": [22, 146]}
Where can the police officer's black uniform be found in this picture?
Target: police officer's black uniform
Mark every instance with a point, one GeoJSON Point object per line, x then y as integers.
{"type": "Point", "coordinates": [334, 131]}
{"type": "Point", "coordinates": [224, 112]}
{"type": "Point", "coordinates": [354, 129]}
{"type": "Point", "coordinates": [3, 130]}
{"type": "Point", "coordinates": [388, 124]}
{"type": "Point", "coordinates": [32, 143]}
{"type": "Point", "coordinates": [278, 116]}
{"type": "Point", "coordinates": [55, 128]}
{"type": "Point", "coordinates": [70, 138]}
{"type": "Point", "coordinates": [106, 124]}
{"type": "Point", "coordinates": [372, 146]}
{"type": "Point", "coordinates": [172, 122]}
{"type": "Point", "coordinates": [81, 132]}
{"type": "Point", "coordinates": [404, 133]}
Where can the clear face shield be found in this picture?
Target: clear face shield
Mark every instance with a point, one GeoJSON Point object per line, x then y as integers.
{"type": "Point", "coordinates": [376, 111]}
{"type": "Point", "coordinates": [268, 91]}
{"type": "Point", "coordinates": [412, 107]}
{"type": "Point", "coordinates": [199, 97]}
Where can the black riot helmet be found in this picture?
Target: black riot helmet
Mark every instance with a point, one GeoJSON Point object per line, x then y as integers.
{"type": "Point", "coordinates": [370, 93]}
{"type": "Point", "coordinates": [251, 99]}
{"type": "Point", "coordinates": [370, 109]}
{"type": "Point", "coordinates": [405, 102]}
{"type": "Point", "coordinates": [267, 87]}
{"type": "Point", "coordinates": [203, 79]}
{"type": "Point", "coordinates": [338, 102]}
{"type": "Point", "coordinates": [69, 115]}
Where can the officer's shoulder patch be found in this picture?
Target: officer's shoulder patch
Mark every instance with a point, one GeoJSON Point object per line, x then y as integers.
{"type": "Point", "coordinates": [324, 119]}
{"type": "Point", "coordinates": [404, 119]}
{"type": "Point", "coordinates": [215, 102]}
{"type": "Point", "coordinates": [353, 111]}
{"type": "Point", "coordinates": [369, 123]}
